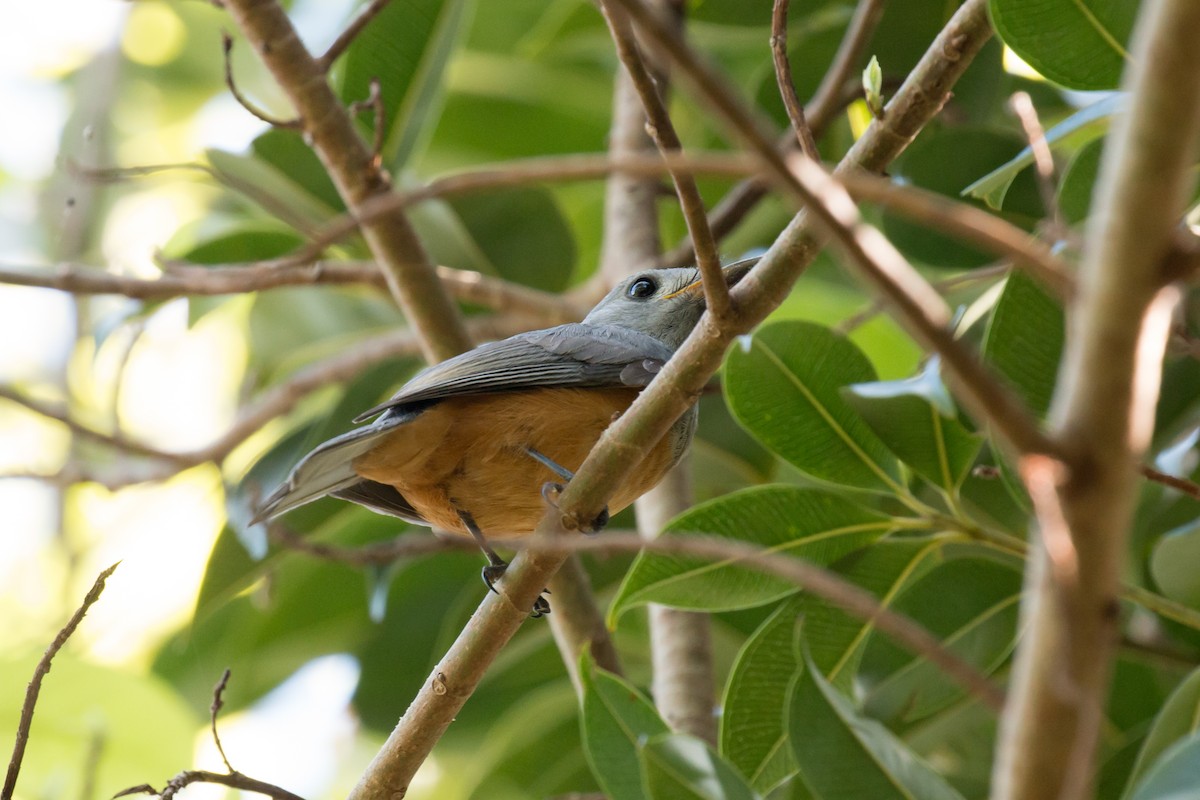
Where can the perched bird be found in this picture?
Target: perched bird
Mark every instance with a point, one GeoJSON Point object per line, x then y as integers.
{"type": "Point", "coordinates": [471, 445]}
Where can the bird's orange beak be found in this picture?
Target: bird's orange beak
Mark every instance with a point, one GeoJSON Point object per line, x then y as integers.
{"type": "Point", "coordinates": [733, 273]}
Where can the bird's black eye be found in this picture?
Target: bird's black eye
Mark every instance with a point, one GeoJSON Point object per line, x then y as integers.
{"type": "Point", "coordinates": [643, 287]}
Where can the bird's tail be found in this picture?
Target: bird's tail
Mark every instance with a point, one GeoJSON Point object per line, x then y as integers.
{"type": "Point", "coordinates": [328, 468]}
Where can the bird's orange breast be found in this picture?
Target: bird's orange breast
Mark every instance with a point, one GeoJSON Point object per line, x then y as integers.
{"type": "Point", "coordinates": [470, 452]}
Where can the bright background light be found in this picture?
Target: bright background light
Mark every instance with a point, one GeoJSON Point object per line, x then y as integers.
{"type": "Point", "coordinates": [169, 385]}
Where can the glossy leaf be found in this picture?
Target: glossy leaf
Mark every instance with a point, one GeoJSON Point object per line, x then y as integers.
{"type": "Point", "coordinates": [842, 755]}
{"type": "Point", "coordinates": [807, 523]}
{"type": "Point", "coordinates": [753, 730]}
{"type": "Point", "coordinates": [979, 626]}
{"type": "Point", "coordinates": [918, 422]}
{"type": "Point", "coordinates": [1078, 128]}
{"type": "Point", "coordinates": [681, 767]}
{"type": "Point", "coordinates": [836, 639]}
{"type": "Point", "coordinates": [1175, 776]}
{"type": "Point", "coordinates": [783, 384]}
{"type": "Point", "coordinates": [1173, 564]}
{"type": "Point", "coordinates": [1078, 182]}
{"type": "Point", "coordinates": [1080, 44]}
{"type": "Point", "coordinates": [1178, 719]}
{"type": "Point", "coordinates": [272, 189]}
{"type": "Point", "coordinates": [753, 735]}
{"type": "Point", "coordinates": [976, 152]}
{"type": "Point", "coordinates": [407, 47]}
{"type": "Point", "coordinates": [617, 720]}
{"type": "Point", "coordinates": [1024, 339]}
{"type": "Point", "coordinates": [522, 234]}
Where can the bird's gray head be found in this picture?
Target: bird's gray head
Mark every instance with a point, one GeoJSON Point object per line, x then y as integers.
{"type": "Point", "coordinates": [664, 303]}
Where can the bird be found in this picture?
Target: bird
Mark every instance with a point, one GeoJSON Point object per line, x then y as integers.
{"type": "Point", "coordinates": [473, 445]}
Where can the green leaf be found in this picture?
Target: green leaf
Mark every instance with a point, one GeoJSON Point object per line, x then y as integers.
{"type": "Point", "coordinates": [1024, 340]}
{"type": "Point", "coordinates": [1078, 181]}
{"type": "Point", "coordinates": [1178, 719]}
{"type": "Point", "coordinates": [835, 639]}
{"type": "Point", "coordinates": [1175, 776]}
{"type": "Point", "coordinates": [271, 188]}
{"type": "Point", "coordinates": [979, 626]}
{"type": "Point", "coordinates": [783, 384]}
{"type": "Point", "coordinates": [522, 233]}
{"type": "Point", "coordinates": [806, 523]}
{"type": "Point", "coordinates": [1173, 564]}
{"type": "Point", "coordinates": [917, 420]}
{"type": "Point", "coordinates": [617, 720]}
{"type": "Point", "coordinates": [976, 151]}
{"type": "Point", "coordinates": [286, 150]}
{"type": "Point", "coordinates": [753, 736]}
{"type": "Point", "coordinates": [681, 767]}
{"type": "Point", "coordinates": [146, 729]}
{"type": "Point", "coordinates": [1080, 44]}
{"type": "Point", "coordinates": [845, 756]}
{"type": "Point", "coordinates": [407, 47]}
{"type": "Point", "coordinates": [1077, 129]}
{"type": "Point", "coordinates": [753, 727]}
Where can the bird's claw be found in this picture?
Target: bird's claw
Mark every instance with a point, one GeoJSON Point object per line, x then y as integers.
{"type": "Point", "coordinates": [494, 572]}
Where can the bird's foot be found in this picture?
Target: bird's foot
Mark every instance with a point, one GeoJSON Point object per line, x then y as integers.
{"type": "Point", "coordinates": [495, 571]}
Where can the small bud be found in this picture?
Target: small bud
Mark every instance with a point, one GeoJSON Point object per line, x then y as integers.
{"type": "Point", "coordinates": [873, 87]}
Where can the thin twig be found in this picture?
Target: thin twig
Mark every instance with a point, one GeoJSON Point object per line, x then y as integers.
{"type": "Point", "coordinates": [243, 101]}
{"type": "Point", "coordinates": [968, 223]}
{"type": "Point", "coordinates": [39, 674]}
{"type": "Point", "coordinates": [716, 293]}
{"type": "Point", "coordinates": [543, 169]}
{"type": "Point", "coordinates": [232, 778]}
{"type": "Point", "coordinates": [215, 708]}
{"type": "Point", "coordinates": [183, 279]}
{"type": "Point", "coordinates": [399, 548]}
{"type": "Point", "coordinates": [346, 37]}
{"type": "Point", "coordinates": [1189, 488]}
{"type": "Point", "coordinates": [374, 103]}
{"type": "Point", "coordinates": [814, 579]}
{"type": "Point", "coordinates": [235, 780]}
{"type": "Point", "coordinates": [787, 87]}
{"type": "Point", "coordinates": [1043, 159]}
{"type": "Point", "coordinates": [116, 441]}
{"type": "Point", "coordinates": [830, 95]}
{"type": "Point", "coordinates": [838, 88]}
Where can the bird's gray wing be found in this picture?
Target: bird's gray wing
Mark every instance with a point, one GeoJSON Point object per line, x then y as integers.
{"type": "Point", "coordinates": [574, 355]}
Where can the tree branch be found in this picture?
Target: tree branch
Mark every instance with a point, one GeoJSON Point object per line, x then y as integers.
{"type": "Point", "coordinates": [347, 37]}
{"type": "Point", "coordinates": [1103, 413]}
{"type": "Point", "coordinates": [35, 683]}
{"type": "Point", "coordinates": [658, 122]}
{"type": "Point", "coordinates": [787, 87]}
{"type": "Point", "coordinates": [409, 272]}
{"type": "Point", "coordinates": [831, 96]}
